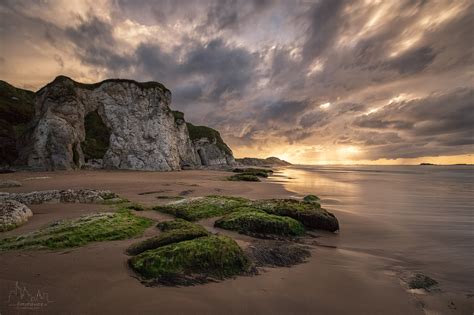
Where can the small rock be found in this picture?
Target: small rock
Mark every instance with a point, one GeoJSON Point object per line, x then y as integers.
{"type": "Point", "coordinates": [13, 214]}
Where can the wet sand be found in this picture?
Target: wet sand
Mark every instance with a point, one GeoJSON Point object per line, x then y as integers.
{"type": "Point", "coordinates": [95, 279]}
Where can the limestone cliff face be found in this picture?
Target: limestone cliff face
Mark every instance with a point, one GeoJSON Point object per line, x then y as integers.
{"type": "Point", "coordinates": [144, 132]}
{"type": "Point", "coordinates": [209, 147]}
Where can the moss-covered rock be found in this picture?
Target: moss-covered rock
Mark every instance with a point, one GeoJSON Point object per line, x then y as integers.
{"type": "Point", "coordinates": [252, 221]}
{"type": "Point", "coordinates": [77, 232]}
{"type": "Point", "coordinates": [310, 214]}
{"type": "Point", "coordinates": [260, 172]}
{"type": "Point", "coordinates": [244, 177]}
{"type": "Point", "coordinates": [192, 261]}
{"type": "Point", "coordinates": [203, 207]}
{"type": "Point", "coordinates": [172, 232]}
{"type": "Point", "coordinates": [133, 206]}
{"type": "Point", "coordinates": [311, 199]}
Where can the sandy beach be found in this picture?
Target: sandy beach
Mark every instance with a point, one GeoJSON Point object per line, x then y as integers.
{"type": "Point", "coordinates": [342, 276]}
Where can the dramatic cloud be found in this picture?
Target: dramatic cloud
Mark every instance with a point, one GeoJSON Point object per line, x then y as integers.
{"type": "Point", "coordinates": [310, 81]}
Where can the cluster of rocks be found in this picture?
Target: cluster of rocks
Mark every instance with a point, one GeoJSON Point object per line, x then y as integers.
{"type": "Point", "coordinates": [14, 212]}
{"type": "Point", "coordinates": [68, 195]}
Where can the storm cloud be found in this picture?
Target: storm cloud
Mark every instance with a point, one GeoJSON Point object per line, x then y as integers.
{"type": "Point", "coordinates": [372, 80]}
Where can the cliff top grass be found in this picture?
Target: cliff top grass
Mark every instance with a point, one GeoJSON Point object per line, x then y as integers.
{"type": "Point", "coordinates": [251, 221]}
{"type": "Point", "coordinates": [198, 132]}
{"type": "Point", "coordinates": [203, 207]}
{"type": "Point", "coordinates": [92, 86]}
{"type": "Point", "coordinates": [107, 226]}
{"type": "Point", "coordinates": [180, 232]}
{"type": "Point", "coordinates": [244, 177]}
{"type": "Point", "coordinates": [16, 105]}
{"type": "Point", "coordinates": [193, 261]}
{"type": "Point", "coordinates": [177, 115]}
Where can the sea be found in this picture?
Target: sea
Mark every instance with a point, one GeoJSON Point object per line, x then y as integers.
{"type": "Point", "coordinates": [421, 216]}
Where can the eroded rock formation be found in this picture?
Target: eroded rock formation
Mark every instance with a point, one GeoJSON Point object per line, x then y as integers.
{"type": "Point", "coordinates": [144, 133]}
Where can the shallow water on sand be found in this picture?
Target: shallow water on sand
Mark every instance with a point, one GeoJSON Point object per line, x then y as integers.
{"type": "Point", "coordinates": [425, 214]}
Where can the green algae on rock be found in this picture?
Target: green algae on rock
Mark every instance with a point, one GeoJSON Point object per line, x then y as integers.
{"type": "Point", "coordinates": [310, 214]}
{"type": "Point", "coordinates": [252, 221]}
{"type": "Point", "coordinates": [193, 261]}
{"type": "Point", "coordinates": [172, 232]}
{"type": "Point", "coordinates": [244, 177]}
{"type": "Point", "coordinates": [260, 172]}
{"type": "Point", "coordinates": [311, 199]}
{"type": "Point", "coordinates": [203, 207]}
{"type": "Point", "coordinates": [106, 226]}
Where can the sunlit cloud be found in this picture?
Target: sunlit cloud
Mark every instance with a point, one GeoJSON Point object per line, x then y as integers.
{"type": "Point", "coordinates": [311, 82]}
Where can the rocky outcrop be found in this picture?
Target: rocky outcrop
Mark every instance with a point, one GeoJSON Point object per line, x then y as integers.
{"type": "Point", "coordinates": [270, 161]}
{"type": "Point", "coordinates": [209, 147]}
{"type": "Point", "coordinates": [143, 132]}
{"type": "Point", "coordinates": [13, 214]}
{"type": "Point", "coordinates": [68, 195]}
{"type": "Point", "coordinates": [115, 123]}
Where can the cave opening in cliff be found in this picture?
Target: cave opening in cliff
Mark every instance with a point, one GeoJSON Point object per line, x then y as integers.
{"type": "Point", "coordinates": [97, 137]}
{"type": "Point", "coordinates": [202, 157]}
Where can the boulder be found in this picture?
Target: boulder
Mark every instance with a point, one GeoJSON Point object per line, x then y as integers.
{"type": "Point", "coordinates": [13, 214]}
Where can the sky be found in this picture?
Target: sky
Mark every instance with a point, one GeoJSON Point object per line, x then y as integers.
{"type": "Point", "coordinates": [312, 82]}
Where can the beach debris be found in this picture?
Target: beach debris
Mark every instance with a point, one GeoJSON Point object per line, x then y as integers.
{"type": "Point", "coordinates": [13, 214]}
{"type": "Point", "coordinates": [9, 183]}
{"type": "Point", "coordinates": [186, 192]}
{"type": "Point", "coordinates": [421, 281]}
{"type": "Point", "coordinates": [37, 178]}
{"type": "Point", "coordinates": [154, 192]}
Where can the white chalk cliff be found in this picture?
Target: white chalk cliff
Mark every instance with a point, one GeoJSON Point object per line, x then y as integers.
{"type": "Point", "coordinates": [144, 133]}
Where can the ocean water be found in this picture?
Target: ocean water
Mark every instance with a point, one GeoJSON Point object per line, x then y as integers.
{"type": "Point", "coordinates": [423, 216]}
